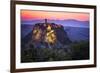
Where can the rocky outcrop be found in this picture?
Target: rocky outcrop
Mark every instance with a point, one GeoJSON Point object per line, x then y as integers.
{"type": "Point", "coordinates": [46, 35]}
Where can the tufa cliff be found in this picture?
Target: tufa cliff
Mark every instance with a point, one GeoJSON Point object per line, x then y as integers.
{"type": "Point", "coordinates": [46, 35]}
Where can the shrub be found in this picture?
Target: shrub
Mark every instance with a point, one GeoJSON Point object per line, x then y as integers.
{"type": "Point", "coordinates": [80, 50]}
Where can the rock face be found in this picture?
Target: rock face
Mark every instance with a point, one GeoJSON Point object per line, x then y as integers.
{"type": "Point", "coordinates": [46, 35]}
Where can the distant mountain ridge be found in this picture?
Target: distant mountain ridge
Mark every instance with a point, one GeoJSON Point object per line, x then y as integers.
{"type": "Point", "coordinates": [69, 22]}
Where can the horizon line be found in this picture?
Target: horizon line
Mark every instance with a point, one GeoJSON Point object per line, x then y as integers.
{"type": "Point", "coordinates": [52, 19]}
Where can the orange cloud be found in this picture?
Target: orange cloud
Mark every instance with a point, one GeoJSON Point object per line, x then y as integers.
{"type": "Point", "coordinates": [29, 14]}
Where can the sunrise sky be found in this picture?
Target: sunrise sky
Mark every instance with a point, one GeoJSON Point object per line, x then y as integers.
{"type": "Point", "coordinates": [33, 15]}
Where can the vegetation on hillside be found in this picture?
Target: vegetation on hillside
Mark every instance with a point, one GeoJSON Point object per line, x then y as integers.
{"type": "Point", "coordinates": [75, 51]}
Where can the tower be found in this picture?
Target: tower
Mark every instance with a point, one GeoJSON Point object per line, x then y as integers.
{"type": "Point", "coordinates": [45, 21]}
